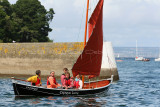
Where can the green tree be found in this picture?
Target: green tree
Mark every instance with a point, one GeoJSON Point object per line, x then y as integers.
{"type": "Point", "coordinates": [6, 6]}
{"type": "Point", "coordinates": [32, 21]}
{"type": "Point", "coordinates": [2, 23]}
{"type": "Point", "coordinates": [5, 21]}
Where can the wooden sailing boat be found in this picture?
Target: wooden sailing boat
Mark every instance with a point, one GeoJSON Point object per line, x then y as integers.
{"type": "Point", "coordinates": [88, 63]}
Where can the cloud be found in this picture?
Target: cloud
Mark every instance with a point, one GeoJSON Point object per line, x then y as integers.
{"type": "Point", "coordinates": [124, 20]}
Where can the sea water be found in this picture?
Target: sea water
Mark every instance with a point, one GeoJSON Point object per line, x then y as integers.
{"type": "Point", "coordinates": [139, 86]}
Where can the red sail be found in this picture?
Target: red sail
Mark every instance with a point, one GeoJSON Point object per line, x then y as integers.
{"type": "Point", "coordinates": [89, 62]}
{"type": "Point", "coordinates": [93, 19]}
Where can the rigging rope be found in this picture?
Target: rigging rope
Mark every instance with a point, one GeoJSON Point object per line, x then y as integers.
{"type": "Point", "coordinates": [80, 25]}
{"type": "Point", "coordinates": [81, 22]}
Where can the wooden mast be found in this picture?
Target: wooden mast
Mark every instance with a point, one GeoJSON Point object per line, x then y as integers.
{"type": "Point", "coordinates": [85, 35]}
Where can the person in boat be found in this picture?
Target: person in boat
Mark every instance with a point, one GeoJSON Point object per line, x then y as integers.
{"type": "Point", "coordinates": [65, 70]}
{"type": "Point", "coordinates": [78, 82]}
{"type": "Point", "coordinates": [51, 81]}
{"type": "Point", "coordinates": [68, 81]}
{"type": "Point", "coordinates": [35, 80]}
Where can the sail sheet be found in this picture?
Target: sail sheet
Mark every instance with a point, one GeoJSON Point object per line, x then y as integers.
{"type": "Point", "coordinates": [89, 62]}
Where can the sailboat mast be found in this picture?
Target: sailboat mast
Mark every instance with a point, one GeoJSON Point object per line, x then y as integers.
{"type": "Point", "coordinates": [159, 52]}
{"type": "Point", "coordinates": [85, 35]}
{"type": "Point", "coordinates": [136, 49]}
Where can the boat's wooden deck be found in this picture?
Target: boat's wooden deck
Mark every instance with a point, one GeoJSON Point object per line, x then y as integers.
{"type": "Point", "coordinates": [96, 84]}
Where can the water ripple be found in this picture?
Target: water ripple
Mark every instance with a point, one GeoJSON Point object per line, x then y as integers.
{"type": "Point", "coordinates": [138, 87]}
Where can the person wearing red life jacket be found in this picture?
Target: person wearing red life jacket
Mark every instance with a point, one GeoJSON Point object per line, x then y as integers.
{"type": "Point", "coordinates": [51, 81]}
{"type": "Point", "coordinates": [72, 82]}
{"type": "Point", "coordinates": [35, 80]}
{"type": "Point", "coordinates": [78, 82]}
{"type": "Point", "coordinates": [68, 82]}
{"type": "Point", "coordinates": [65, 70]}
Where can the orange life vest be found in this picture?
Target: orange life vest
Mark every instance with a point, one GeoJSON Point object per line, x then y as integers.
{"type": "Point", "coordinates": [54, 81]}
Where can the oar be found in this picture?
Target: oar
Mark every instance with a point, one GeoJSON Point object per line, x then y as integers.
{"type": "Point", "coordinates": [18, 79]}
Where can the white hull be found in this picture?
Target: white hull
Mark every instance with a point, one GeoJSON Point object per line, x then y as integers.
{"type": "Point", "coordinates": [158, 59]}
{"type": "Point", "coordinates": [139, 58]}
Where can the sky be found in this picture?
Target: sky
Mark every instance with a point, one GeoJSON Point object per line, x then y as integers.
{"type": "Point", "coordinates": [124, 21]}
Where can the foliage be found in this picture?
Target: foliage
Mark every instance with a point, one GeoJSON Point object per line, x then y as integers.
{"type": "Point", "coordinates": [25, 21]}
{"type": "Point", "coordinates": [5, 21]}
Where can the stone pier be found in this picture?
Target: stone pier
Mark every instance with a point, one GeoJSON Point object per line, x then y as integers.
{"type": "Point", "coordinates": [26, 58]}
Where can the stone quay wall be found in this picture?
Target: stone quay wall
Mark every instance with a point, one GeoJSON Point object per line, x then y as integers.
{"type": "Point", "coordinates": [26, 58]}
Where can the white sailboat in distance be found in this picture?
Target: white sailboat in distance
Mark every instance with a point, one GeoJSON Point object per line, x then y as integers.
{"type": "Point", "coordinates": [137, 58]}
{"type": "Point", "coordinates": [140, 58]}
{"type": "Point", "coordinates": [118, 59]}
{"type": "Point", "coordinates": [158, 59]}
